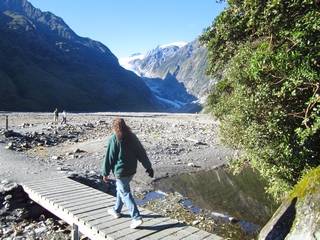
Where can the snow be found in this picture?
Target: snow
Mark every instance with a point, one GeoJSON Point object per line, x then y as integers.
{"type": "Point", "coordinates": [127, 62]}
{"type": "Point", "coordinates": [176, 104]}
{"type": "Point", "coordinates": [133, 57]}
{"type": "Point", "coordinates": [179, 44]}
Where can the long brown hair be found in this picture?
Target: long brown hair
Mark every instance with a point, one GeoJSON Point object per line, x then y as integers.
{"type": "Point", "coordinates": [120, 128]}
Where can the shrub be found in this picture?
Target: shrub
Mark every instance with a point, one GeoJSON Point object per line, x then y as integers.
{"type": "Point", "coordinates": [266, 55]}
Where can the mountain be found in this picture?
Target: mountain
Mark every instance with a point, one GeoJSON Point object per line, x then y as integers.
{"type": "Point", "coordinates": [44, 64]}
{"type": "Point", "coordinates": [186, 62]}
{"type": "Point", "coordinates": [146, 65]}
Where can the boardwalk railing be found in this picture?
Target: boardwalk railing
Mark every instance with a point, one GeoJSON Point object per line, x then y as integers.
{"type": "Point", "coordinates": [85, 209]}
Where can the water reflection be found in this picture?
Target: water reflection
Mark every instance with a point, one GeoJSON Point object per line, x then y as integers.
{"type": "Point", "coordinates": [241, 196]}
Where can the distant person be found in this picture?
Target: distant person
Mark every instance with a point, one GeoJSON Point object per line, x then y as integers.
{"type": "Point", "coordinates": [56, 115]}
{"type": "Point", "coordinates": [123, 151]}
{"type": "Point", "coordinates": [64, 117]}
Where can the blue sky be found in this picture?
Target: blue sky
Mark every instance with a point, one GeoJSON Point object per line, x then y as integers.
{"type": "Point", "coordinates": [131, 26]}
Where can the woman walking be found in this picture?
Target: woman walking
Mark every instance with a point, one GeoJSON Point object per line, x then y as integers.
{"type": "Point", "coordinates": [123, 151]}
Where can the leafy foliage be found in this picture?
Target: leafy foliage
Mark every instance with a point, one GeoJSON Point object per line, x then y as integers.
{"type": "Point", "coordinates": [267, 57]}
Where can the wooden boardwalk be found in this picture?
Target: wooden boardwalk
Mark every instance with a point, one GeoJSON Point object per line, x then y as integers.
{"type": "Point", "coordinates": [85, 209]}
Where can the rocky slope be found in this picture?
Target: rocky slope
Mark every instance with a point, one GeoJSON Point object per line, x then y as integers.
{"type": "Point", "coordinates": [44, 64]}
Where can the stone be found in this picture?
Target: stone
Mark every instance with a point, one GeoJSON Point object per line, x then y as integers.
{"type": "Point", "coordinates": [196, 222]}
{"type": "Point", "coordinates": [49, 221]}
{"type": "Point", "coordinates": [24, 125]}
{"type": "Point", "coordinates": [298, 215]}
{"type": "Point", "coordinates": [63, 169]}
{"type": "Point", "coordinates": [55, 157]}
{"type": "Point", "coordinates": [8, 197]}
{"type": "Point", "coordinates": [40, 230]}
{"type": "Point", "coordinates": [5, 181]}
{"type": "Point", "coordinates": [9, 146]}
{"type": "Point", "coordinates": [25, 145]}
{"type": "Point", "coordinates": [8, 187]}
{"type": "Point", "coordinates": [79, 151]}
{"type": "Point", "coordinates": [101, 122]}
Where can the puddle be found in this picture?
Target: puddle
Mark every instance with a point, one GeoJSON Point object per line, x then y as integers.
{"type": "Point", "coordinates": [224, 195]}
{"type": "Point", "coordinates": [150, 196]}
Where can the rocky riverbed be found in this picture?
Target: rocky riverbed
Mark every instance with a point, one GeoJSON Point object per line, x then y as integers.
{"type": "Point", "coordinates": [35, 147]}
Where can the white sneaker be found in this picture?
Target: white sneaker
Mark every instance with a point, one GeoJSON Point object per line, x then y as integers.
{"type": "Point", "coordinates": [113, 213]}
{"type": "Point", "coordinates": [135, 223]}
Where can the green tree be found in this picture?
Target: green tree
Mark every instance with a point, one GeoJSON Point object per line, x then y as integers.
{"type": "Point", "coordinates": [266, 56]}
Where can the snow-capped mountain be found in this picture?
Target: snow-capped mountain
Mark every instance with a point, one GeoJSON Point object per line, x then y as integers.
{"type": "Point", "coordinates": [174, 44]}
{"type": "Point", "coordinates": [186, 62]}
{"type": "Point", "coordinates": [145, 64]}
{"type": "Point", "coordinates": [174, 72]}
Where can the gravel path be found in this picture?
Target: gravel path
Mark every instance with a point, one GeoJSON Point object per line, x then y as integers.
{"type": "Point", "coordinates": [18, 167]}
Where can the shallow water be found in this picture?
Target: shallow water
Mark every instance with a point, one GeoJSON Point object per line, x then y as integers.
{"type": "Point", "coordinates": [241, 196]}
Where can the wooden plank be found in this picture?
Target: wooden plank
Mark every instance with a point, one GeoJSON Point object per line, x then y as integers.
{"type": "Point", "coordinates": [44, 190]}
{"type": "Point", "coordinates": [88, 216]}
{"type": "Point", "coordinates": [200, 235]}
{"type": "Point", "coordinates": [87, 209]}
{"type": "Point", "coordinates": [71, 195]}
{"type": "Point", "coordinates": [97, 220]}
{"type": "Point", "coordinates": [91, 219]}
{"type": "Point", "coordinates": [122, 226]}
{"type": "Point", "coordinates": [60, 183]}
{"type": "Point", "coordinates": [101, 225]}
{"type": "Point", "coordinates": [85, 200]}
{"type": "Point", "coordinates": [57, 182]}
{"type": "Point", "coordinates": [54, 201]}
{"type": "Point", "coordinates": [69, 199]}
{"type": "Point", "coordinates": [50, 183]}
{"type": "Point", "coordinates": [35, 182]}
{"type": "Point", "coordinates": [212, 237]}
{"type": "Point", "coordinates": [169, 231]}
{"type": "Point", "coordinates": [181, 233]}
{"type": "Point", "coordinates": [47, 188]}
{"type": "Point", "coordinates": [146, 229]}
{"type": "Point", "coordinates": [76, 196]}
{"type": "Point", "coordinates": [85, 205]}
{"type": "Point", "coordinates": [105, 203]}
{"type": "Point", "coordinates": [62, 190]}
{"type": "Point", "coordinates": [177, 232]}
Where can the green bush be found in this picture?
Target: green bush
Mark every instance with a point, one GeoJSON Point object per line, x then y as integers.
{"type": "Point", "coordinates": [266, 56]}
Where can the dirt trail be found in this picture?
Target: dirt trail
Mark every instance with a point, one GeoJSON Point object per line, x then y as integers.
{"type": "Point", "coordinates": [18, 167]}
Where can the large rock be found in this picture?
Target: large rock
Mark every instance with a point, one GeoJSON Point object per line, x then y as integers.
{"type": "Point", "coordinates": [299, 215]}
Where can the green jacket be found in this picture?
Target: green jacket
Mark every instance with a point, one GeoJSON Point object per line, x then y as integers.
{"type": "Point", "coordinates": [122, 156]}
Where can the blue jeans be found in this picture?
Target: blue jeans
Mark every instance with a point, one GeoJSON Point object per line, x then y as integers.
{"type": "Point", "coordinates": [124, 195]}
